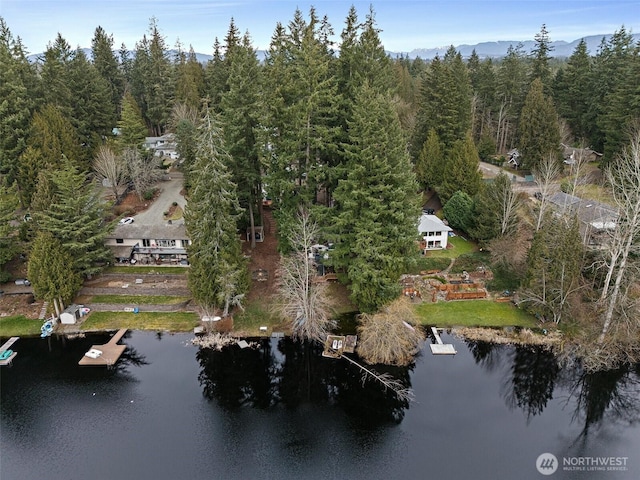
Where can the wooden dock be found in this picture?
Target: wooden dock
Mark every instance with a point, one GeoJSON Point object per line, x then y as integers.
{"type": "Point", "coordinates": [110, 352]}
{"type": "Point", "coordinates": [5, 347]}
{"type": "Point", "coordinates": [440, 348]}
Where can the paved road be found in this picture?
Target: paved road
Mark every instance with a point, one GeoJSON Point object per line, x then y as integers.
{"type": "Point", "coordinates": [154, 215]}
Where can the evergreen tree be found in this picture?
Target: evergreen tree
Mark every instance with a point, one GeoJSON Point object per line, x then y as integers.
{"type": "Point", "coordinates": [93, 115]}
{"type": "Point", "coordinates": [76, 219]}
{"type": "Point", "coordinates": [151, 80]}
{"type": "Point", "coordinates": [17, 102]}
{"type": "Point", "coordinates": [132, 130]}
{"type": "Point", "coordinates": [189, 81]}
{"type": "Point", "coordinates": [609, 71]}
{"type": "Point", "coordinates": [461, 170]}
{"type": "Point", "coordinates": [430, 165]}
{"type": "Point", "coordinates": [217, 276]}
{"type": "Point", "coordinates": [301, 117]}
{"type": "Point", "coordinates": [445, 102]}
{"type": "Point", "coordinates": [540, 55]}
{"type": "Point", "coordinates": [512, 90]}
{"type": "Point", "coordinates": [459, 211]}
{"type": "Point", "coordinates": [554, 264]}
{"type": "Point", "coordinates": [377, 207]}
{"type": "Point", "coordinates": [106, 64]}
{"type": "Point", "coordinates": [241, 122]}
{"type": "Point", "coordinates": [51, 270]}
{"type": "Point", "coordinates": [495, 210]}
{"type": "Point", "coordinates": [572, 91]}
{"type": "Point", "coordinates": [539, 132]}
{"type": "Point", "coordinates": [52, 138]}
{"type": "Point", "coordinates": [55, 75]}
{"type": "Point", "coordinates": [8, 207]}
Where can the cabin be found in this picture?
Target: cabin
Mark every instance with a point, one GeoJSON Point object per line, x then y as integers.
{"type": "Point", "coordinates": [433, 232]}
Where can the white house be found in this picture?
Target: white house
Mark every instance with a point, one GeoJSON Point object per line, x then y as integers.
{"type": "Point", "coordinates": [434, 232]}
{"type": "Point", "coordinates": [150, 243]}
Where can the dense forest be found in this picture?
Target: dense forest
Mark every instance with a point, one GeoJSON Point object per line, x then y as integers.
{"type": "Point", "coordinates": [346, 133]}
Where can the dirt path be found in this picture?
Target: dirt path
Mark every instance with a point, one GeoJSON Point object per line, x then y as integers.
{"type": "Point", "coordinates": [264, 259]}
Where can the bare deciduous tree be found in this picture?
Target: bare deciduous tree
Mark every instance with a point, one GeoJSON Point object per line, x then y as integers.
{"type": "Point", "coordinates": [108, 166]}
{"type": "Point", "coordinates": [144, 172]}
{"type": "Point", "coordinates": [623, 176]}
{"type": "Point", "coordinates": [303, 300]}
{"type": "Point", "coordinates": [390, 336]}
{"type": "Point", "coordinates": [546, 174]}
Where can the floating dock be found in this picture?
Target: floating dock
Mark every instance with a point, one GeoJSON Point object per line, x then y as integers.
{"type": "Point", "coordinates": [109, 353]}
{"type": "Point", "coordinates": [441, 348]}
{"type": "Point", "coordinates": [5, 347]}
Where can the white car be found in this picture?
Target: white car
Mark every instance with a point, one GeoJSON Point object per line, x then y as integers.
{"type": "Point", "coordinates": [125, 221]}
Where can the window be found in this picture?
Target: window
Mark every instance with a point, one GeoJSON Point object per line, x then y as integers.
{"type": "Point", "coordinates": [166, 243]}
{"type": "Point", "coordinates": [119, 240]}
{"type": "Point", "coordinates": [146, 242]}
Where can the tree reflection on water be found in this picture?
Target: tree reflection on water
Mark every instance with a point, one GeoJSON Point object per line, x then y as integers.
{"type": "Point", "coordinates": [297, 374]}
{"type": "Point", "coordinates": [598, 398]}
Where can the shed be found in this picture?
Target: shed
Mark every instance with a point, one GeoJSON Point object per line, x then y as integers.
{"type": "Point", "coordinates": [71, 315]}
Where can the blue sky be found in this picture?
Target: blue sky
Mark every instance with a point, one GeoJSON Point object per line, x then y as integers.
{"type": "Point", "coordinates": [405, 24]}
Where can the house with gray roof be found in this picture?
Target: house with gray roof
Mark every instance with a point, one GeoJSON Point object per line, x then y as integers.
{"type": "Point", "coordinates": [597, 219]}
{"type": "Point", "coordinates": [150, 244]}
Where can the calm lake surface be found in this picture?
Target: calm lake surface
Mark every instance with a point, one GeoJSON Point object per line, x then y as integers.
{"type": "Point", "coordinates": [173, 411]}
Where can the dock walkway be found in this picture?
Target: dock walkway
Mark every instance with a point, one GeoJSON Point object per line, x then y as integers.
{"type": "Point", "coordinates": [5, 347]}
{"type": "Point", "coordinates": [440, 348]}
{"type": "Point", "coordinates": [110, 351]}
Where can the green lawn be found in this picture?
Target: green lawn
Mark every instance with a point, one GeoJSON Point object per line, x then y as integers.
{"type": "Point", "coordinates": [138, 299]}
{"type": "Point", "coordinates": [19, 326]}
{"type": "Point", "coordinates": [254, 316]}
{"type": "Point", "coordinates": [460, 247]}
{"type": "Point", "coordinates": [150, 270]}
{"type": "Point", "coordinates": [473, 313]}
{"type": "Point", "coordinates": [165, 321]}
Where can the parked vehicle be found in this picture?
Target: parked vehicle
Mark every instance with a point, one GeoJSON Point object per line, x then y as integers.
{"type": "Point", "coordinates": [23, 281]}
{"type": "Point", "coordinates": [126, 221]}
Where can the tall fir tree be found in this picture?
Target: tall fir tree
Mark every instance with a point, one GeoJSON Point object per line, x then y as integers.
{"type": "Point", "coordinates": [540, 56]}
{"type": "Point", "coordinates": [240, 117]}
{"type": "Point", "coordinates": [76, 217]}
{"type": "Point", "coordinates": [539, 131]}
{"type": "Point", "coordinates": [461, 170]}
{"type": "Point", "coordinates": [572, 91]}
{"type": "Point", "coordinates": [377, 205]}
{"type": "Point", "coordinates": [511, 91]}
{"type": "Point", "coordinates": [51, 271]}
{"type": "Point", "coordinates": [217, 276]}
{"type": "Point", "coordinates": [16, 76]}
{"type": "Point", "coordinates": [106, 64]}
{"type": "Point", "coordinates": [93, 115]}
{"type": "Point", "coordinates": [132, 129]}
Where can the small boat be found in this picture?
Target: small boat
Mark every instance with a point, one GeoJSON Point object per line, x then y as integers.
{"type": "Point", "coordinates": [93, 353]}
{"type": "Point", "coordinates": [6, 354]}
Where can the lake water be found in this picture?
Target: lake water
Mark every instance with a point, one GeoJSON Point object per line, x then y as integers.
{"type": "Point", "coordinates": [173, 411]}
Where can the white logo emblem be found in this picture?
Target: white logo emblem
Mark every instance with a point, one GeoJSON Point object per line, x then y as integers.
{"type": "Point", "coordinates": [547, 463]}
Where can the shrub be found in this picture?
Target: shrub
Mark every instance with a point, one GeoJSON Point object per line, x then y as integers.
{"type": "Point", "coordinates": [149, 194]}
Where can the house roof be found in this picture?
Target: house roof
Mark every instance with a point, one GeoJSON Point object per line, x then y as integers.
{"type": "Point", "coordinates": [596, 214]}
{"type": "Point", "coordinates": [431, 223]}
{"type": "Point", "coordinates": [564, 200]}
{"type": "Point", "coordinates": [136, 231]}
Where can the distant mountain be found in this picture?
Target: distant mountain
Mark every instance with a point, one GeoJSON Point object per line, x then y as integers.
{"type": "Point", "coordinates": [499, 49]}
{"type": "Point", "coordinates": [484, 50]}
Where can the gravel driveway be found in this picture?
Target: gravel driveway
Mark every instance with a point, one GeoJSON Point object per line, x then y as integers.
{"type": "Point", "coordinates": [170, 192]}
